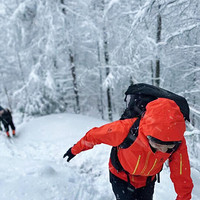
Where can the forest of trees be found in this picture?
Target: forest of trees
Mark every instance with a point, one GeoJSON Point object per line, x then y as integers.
{"type": "Point", "coordinates": [81, 55]}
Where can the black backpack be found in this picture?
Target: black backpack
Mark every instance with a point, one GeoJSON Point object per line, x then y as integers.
{"type": "Point", "coordinates": [140, 95]}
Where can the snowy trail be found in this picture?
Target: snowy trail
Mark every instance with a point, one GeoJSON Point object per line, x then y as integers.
{"type": "Point", "coordinates": [32, 167]}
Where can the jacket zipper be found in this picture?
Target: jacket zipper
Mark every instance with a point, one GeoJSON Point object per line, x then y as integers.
{"type": "Point", "coordinates": [152, 166]}
{"type": "Point", "coordinates": [137, 164]}
{"type": "Point", "coordinates": [181, 164]}
{"type": "Point", "coordinates": [146, 163]}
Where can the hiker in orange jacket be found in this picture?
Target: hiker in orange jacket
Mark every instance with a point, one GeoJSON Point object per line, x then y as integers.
{"type": "Point", "coordinates": [160, 138]}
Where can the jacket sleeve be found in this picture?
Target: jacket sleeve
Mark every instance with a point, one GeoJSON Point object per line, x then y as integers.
{"type": "Point", "coordinates": [180, 172]}
{"type": "Point", "coordinates": [112, 134]}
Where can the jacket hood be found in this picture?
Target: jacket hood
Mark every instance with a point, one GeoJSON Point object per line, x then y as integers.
{"type": "Point", "coordinates": [163, 120]}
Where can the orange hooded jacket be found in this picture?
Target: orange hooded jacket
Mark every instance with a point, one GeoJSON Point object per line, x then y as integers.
{"type": "Point", "coordinates": [162, 120]}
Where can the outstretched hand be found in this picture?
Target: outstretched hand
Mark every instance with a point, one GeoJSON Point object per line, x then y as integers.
{"type": "Point", "coordinates": [69, 154]}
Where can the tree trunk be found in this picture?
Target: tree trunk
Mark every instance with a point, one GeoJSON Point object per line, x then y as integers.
{"type": "Point", "coordinates": [100, 82]}
{"type": "Point", "coordinates": [24, 83]}
{"type": "Point", "coordinates": [152, 73]}
{"type": "Point", "coordinates": [106, 57]}
{"type": "Point", "coordinates": [63, 9]}
{"type": "Point", "coordinates": [158, 39]}
{"type": "Point", "coordinates": [73, 71]}
{"type": "Point", "coordinates": [193, 96]}
{"type": "Point", "coordinates": [157, 75]}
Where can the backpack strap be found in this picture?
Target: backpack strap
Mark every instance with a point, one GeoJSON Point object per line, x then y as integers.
{"type": "Point", "coordinates": [115, 160]}
{"type": "Point", "coordinates": [132, 135]}
{"type": "Point", "coordinates": [128, 141]}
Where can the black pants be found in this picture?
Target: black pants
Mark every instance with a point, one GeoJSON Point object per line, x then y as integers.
{"type": "Point", "coordinates": [8, 123]}
{"type": "Point", "coordinates": [125, 191]}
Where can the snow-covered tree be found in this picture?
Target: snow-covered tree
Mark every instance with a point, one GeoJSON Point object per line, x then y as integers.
{"type": "Point", "coordinates": [71, 56]}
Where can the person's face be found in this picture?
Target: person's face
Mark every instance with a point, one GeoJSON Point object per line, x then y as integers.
{"type": "Point", "coordinates": [161, 147]}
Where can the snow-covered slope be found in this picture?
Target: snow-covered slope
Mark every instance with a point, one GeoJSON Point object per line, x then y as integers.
{"type": "Point", "coordinates": [32, 167]}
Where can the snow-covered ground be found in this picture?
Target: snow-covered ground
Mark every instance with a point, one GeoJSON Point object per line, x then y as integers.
{"type": "Point", "coordinates": [32, 167]}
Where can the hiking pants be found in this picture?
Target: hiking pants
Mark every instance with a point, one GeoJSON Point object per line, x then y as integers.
{"type": "Point", "coordinates": [7, 124]}
{"type": "Point", "coordinates": [125, 191]}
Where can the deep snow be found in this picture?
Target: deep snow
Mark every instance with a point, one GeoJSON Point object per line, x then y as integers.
{"type": "Point", "coordinates": [32, 167]}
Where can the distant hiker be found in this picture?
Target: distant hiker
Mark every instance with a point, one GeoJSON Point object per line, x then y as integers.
{"type": "Point", "coordinates": [6, 118]}
{"type": "Point", "coordinates": [134, 169]}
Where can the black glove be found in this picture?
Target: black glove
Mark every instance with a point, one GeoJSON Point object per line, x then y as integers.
{"type": "Point", "coordinates": [69, 154]}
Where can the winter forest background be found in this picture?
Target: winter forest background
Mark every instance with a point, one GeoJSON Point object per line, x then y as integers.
{"type": "Point", "coordinates": [80, 56]}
